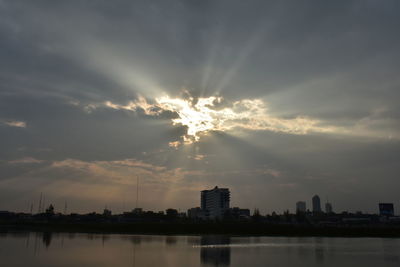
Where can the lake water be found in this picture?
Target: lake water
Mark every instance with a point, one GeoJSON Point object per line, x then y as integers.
{"type": "Point", "coordinates": [56, 250]}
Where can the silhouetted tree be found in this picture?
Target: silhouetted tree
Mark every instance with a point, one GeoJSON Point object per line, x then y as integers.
{"type": "Point", "coordinates": [50, 210]}
{"type": "Point", "coordinates": [171, 213]}
{"type": "Point", "coordinates": [256, 215]}
{"type": "Point", "coordinates": [301, 217]}
{"type": "Point", "coordinates": [286, 215]}
{"type": "Point", "coordinates": [274, 217]}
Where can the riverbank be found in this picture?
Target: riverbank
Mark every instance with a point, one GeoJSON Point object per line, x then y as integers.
{"type": "Point", "coordinates": [218, 228]}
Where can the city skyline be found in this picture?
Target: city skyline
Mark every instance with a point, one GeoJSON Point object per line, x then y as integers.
{"type": "Point", "coordinates": [213, 204]}
{"type": "Point", "coordinates": [276, 101]}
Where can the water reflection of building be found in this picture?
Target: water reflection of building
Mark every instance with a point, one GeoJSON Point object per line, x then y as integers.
{"type": "Point", "coordinates": [171, 240]}
{"type": "Point", "coordinates": [46, 238]}
{"type": "Point", "coordinates": [213, 251]}
{"type": "Point", "coordinates": [319, 250]}
{"type": "Point", "coordinates": [135, 239]}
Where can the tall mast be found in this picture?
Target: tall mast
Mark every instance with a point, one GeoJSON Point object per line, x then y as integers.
{"type": "Point", "coordinates": [137, 191]}
{"type": "Point", "coordinates": [123, 202]}
{"type": "Point", "coordinates": [40, 203]}
{"type": "Point", "coordinates": [65, 208]}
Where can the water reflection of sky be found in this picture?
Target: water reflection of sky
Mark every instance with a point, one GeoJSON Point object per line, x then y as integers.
{"type": "Point", "coordinates": [68, 249]}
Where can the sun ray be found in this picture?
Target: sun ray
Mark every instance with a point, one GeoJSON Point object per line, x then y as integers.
{"type": "Point", "coordinates": [202, 115]}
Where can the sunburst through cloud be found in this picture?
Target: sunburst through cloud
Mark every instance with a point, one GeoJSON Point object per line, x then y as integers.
{"type": "Point", "coordinates": [203, 115]}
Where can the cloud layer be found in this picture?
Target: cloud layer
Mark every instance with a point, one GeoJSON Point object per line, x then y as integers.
{"type": "Point", "coordinates": [276, 100]}
{"type": "Point", "coordinates": [202, 115]}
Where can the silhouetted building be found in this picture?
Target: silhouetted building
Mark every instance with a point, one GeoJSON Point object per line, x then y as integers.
{"type": "Point", "coordinates": [328, 208]}
{"type": "Point", "coordinates": [171, 213]}
{"type": "Point", "coordinates": [215, 202]}
{"type": "Point", "coordinates": [301, 206]}
{"type": "Point", "coordinates": [137, 211]}
{"type": "Point", "coordinates": [215, 250]}
{"type": "Point", "coordinates": [386, 209]}
{"type": "Point", "coordinates": [107, 212]}
{"type": "Point", "coordinates": [239, 213]}
{"type": "Point", "coordinates": [196, 213]}
{"type": "Point", "coordinates": [316, 204]}
{"type": "Point", "coordinates": [5, 214]}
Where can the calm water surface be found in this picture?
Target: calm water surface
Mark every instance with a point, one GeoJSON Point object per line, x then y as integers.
{"type": "Point", "coordinates": [56, 250]}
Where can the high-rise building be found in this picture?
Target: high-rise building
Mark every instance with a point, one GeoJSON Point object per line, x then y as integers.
{"type": "Point", "coordinates": [215, 202]}
{"type": "Point", "coordinates": [328, 208]}
{"type": "Point", "coordinates": [301, 206]}
{"type": "Point", "coordinates": [386, 209]}
{"type": "Point", "coordinates": [316, 204]}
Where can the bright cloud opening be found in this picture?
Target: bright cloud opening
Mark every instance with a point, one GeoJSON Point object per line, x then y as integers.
{"type": "Point", "coordinates": [205, 114]}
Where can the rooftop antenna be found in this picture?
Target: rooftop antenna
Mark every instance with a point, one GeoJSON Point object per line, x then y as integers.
{"type": "Point", "coordinates": [40, 203]}
{"type": "Point", "coordinates": [31, 208]}
{"type": "Point", "coordinates": [123, 202]}
{"type": "Point", "coordinates": [44, 205]}
{"type": "Point", "coordinates": [137, 190]}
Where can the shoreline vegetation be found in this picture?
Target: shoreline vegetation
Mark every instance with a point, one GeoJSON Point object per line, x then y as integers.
{"type": "Point", "coordinates": [206, 228]}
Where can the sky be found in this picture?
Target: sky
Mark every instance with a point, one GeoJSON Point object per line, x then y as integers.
{"type": "Point", "coordinates": [276, 100]}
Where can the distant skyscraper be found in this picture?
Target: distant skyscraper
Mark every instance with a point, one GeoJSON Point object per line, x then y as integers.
{"type": "Point", "coordinates": [328, 207]}
{"type": "Point", "coordinates": [386, 209]}
{"type": "Point", "coordinates": [301, 206]}
{"type": "Point", "coordinates": [215, 202]}
{"type": "Point", "coordinates": [316, 204]}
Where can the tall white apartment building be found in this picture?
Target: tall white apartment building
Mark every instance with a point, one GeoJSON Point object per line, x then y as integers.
{"type": "Point", "coordinates": [215, 202]}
